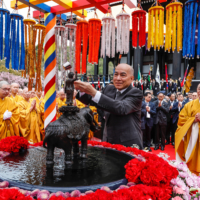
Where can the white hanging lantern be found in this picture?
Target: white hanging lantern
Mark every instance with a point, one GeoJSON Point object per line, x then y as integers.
{"type": "Point", "coordinates": [108, 37]}
{"type": "Point", "coordinates": [70, 44]}
{"type": "Point", "coordinates": [59, 34]}
{"type": "Point", "coordinates": [123, 26]}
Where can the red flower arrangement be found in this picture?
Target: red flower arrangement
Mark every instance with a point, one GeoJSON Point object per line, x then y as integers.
{"type": "Point", "coordinates": [13, 144]}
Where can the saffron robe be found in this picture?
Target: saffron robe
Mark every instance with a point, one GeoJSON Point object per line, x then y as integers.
{"type": "Point", "coordinates": [38, 101]}
{"type": "Point", "coordinates": [187, 137]}
{"type": "Point", "coordinates": [94, 110]}
{"type": "Point", "coordinates": [17, 98]}
{"type": "Point", "coordinates": [10, 126]}
{"type": "Point", "coordinates": [29, 121]}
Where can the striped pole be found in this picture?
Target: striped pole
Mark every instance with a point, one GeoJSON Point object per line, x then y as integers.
{"type": "Point", "coordinates": [50, 70]}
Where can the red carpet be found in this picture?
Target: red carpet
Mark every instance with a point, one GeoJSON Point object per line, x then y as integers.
{"type": "Point", "coordinates": [169, 149]}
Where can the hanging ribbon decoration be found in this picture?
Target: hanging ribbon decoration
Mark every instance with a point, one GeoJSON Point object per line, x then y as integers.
{"type": "Point", "coordinates": [59, 35]}
{"type": "Point", "coordinates": [29, 51]}
{"type": "Point", "coordinates": [191, 11]}
{"type": "Point", "coordinates": [94, 39]}
{"type": "Point", "coordinates": [123, 31]}
{"type": "Point", "coordinates": [17, 49]}
{"type": "Point", "coordinates": [70, 44]}
{"type": "Point", "coordinates": [4, 35]}
{"type": "Point", "coordinates": [81, 41]}
{"type": "Point", "coordinates": [155, 27]}
{"type": "Point", "coordinates": [39, 30]}
{"type": "Point", "coordinates": [138, 18]}
{"type": "Point", "coordinates": [108, 35]}
{"type": "Point", "coordinates": [173, 27]}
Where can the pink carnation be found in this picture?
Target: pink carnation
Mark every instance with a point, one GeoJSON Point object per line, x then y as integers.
{"type": "Point", "coordinates": [178, 190]}
{"type": "Point", "coordinates": [177, 198]}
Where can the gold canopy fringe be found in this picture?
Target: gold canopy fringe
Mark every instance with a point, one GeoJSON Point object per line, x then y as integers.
{"type": "Point", "coordinates": [155, 27]}
{"type": "Point", "coordinates": [173, 37]}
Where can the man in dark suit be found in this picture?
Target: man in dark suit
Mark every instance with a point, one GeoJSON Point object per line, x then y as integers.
{"type": "Point", "coordinates": [171, 86]}
{"type": "Point", "coordinates": [148, 110]}
{"type": "Point", "coordinates": [121, 103]}
{"type": "Point", "coordinates": [137, 84]}
{"type": "Point", "coordinates": [162, 109]}
{"type": "Point", "coordinates": [155, 87]}
{"type": "Point", "coordinates": [179, 85]}
{"type": "Point", "coordinates": [170, 117]}
{"type": "Point", "coordinates": [146, 85]}
{"type": "Point", "coordinates": [177, 107]}
{"type": "Point", "coordinates": [163, 85]}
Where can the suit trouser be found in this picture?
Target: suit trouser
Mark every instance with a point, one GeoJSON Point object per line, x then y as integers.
{"type": "Point", "coordinates": [174, 127]}
{"type": "Point", "coordinates": [160, 132]}
{"type": "Point", "coordinates": [169, 130]}
{"type": "Point", "coordinates": [146, 136]}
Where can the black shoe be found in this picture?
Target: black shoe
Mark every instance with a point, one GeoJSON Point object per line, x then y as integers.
{"type": "Point", "coordinates": [162, 148]}
{"type": "Point", "coordinates": [173, 143]}
{"type": "Point", "coordinates": [156, 148]}
{"type": "Point", "coordinates": [149, 149]}
{"type": "Point", "coordinates": [167, 143]}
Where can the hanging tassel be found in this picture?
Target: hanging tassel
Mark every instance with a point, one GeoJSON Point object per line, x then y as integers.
{"type": "Point", "coordinates": [144, 29]}
{"type": "Point", "coordinates": [134, 30]}
{"type": "Point", "coordinates": [78, 44]}
{"type": "Point", "coordinates": [170, 29]}
{"type": "Point", "coordinates": [156, 29]}
{"type": "Point", "coordinates": [1, 35]}
{"type": "Point", "coordinates": [98, 42]}
{"type": "Point", "coordinates": [198, 39]}
{"type": "Point", "coordinates": [174, 30]}
{"type": "Point", "coordinates": [185, 31]}
{"type": "Point", "coordinates": [149, 31]}
{"type": "Point", "coordinates": [140, 29]}
{"type": "Point", "coordinates": [22, 59]}
{"type": "Point", "coordinates": [161, 28]}
{"type": "Point", "coordinates": [152, 28]}
{"type": "Point", "coordinates": [191, 5]}
{"type": "Point", "coordinates": [193, 30]}
{"type": "Point", "coordinates": [17, 47]}
{"type": "Point", "coordinates": [90, 42]}
{"type": "Point", "coordinates": [167, 31]}
{"type": "Point", "coordinates": [7, 37]}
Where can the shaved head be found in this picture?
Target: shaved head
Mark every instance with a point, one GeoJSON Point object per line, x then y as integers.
{"type": "Point", "coordinates": [62, 95]}
{"type": "Point", "coordinates": [123, 76]}
{"type": "Point", "coordinates": [194, 95]}
{"type": "Point", "coordinates": [14, 88]}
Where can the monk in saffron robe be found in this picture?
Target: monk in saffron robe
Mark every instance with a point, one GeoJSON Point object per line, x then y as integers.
{"type": "Point", "coordinates": [14, 92]}
{"type": "Point", "coordinates": [187, 136]}
{"type": "Point", "coordinates": [62, 96]}
{"type": "Point", "coordinates": [38, 97]}
{"type": "Point", "coordinates": [9, 113]}
{"type": "Point", "coordinates": [29, 118]}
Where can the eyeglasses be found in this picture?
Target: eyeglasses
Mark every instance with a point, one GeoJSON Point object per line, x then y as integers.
{"type": "Point", "coordinates": [6, 89]}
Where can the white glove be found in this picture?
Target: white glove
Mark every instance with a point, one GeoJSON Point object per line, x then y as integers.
{"type": "Point", "coordinates": [7, 115]}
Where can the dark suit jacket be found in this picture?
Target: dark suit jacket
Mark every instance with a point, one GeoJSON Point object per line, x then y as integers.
{"type": "Point", "coordinates": [122, 116]}
{"type": "Point", "coordinates": [161, 112]}
{"type": "Point", "coordinates": [176, 112]}
{"type": "Point", "coordinates": [163, 86]}
{"type": "Point", "coordinates": [179, 86]}
{"type": "Point", "coordinates": [171, 87]}
{"type": "Point", "coordinates": [144, 119]}
{"type": "Point", "coordinates": [155, 88]}
{"type": "Point", "coordinates": [138, 85]}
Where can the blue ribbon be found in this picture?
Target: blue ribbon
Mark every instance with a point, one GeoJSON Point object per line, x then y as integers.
{"type": "Point", "coordinates": [198, 40]}
{"type": "Point", "coordinates": [193, 30]}
{"type": "Point", "coordinates": [1, 35]}
{"type": "Point", "coordinates": [185, 32]}
{"type": "Point", "coordinates": [22, 60]}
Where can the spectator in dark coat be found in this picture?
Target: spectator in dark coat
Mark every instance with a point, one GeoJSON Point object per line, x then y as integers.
{"type": "Point", "coordinates": [148, 111]}
{"type": "Point", "coordinates": [162, 109]}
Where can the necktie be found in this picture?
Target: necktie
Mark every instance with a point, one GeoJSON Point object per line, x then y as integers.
{"type": "Point", "coordinates": [118, 94]}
